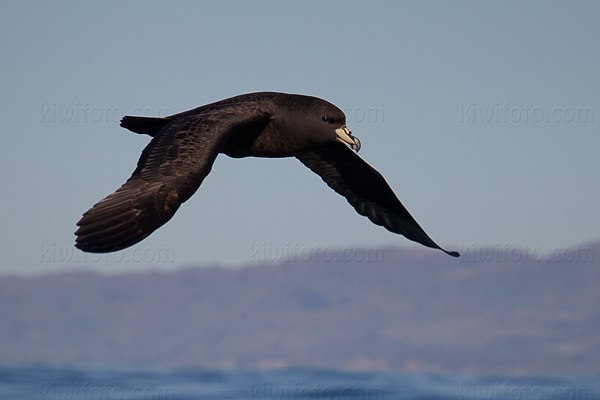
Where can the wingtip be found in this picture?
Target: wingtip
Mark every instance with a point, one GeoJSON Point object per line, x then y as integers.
{"type": "Point", "coordinates": [452, 253]}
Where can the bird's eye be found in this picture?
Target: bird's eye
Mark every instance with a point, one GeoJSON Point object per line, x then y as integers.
{"type": "Point", "coordinates": [325, 118]}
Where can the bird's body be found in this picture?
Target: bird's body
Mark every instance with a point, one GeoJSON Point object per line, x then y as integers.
{"type": "Point", "coordinates": [265, 124]}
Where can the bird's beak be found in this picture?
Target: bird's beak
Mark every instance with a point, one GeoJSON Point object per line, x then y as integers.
{"type": "Point", "coordinates": [345, 136]}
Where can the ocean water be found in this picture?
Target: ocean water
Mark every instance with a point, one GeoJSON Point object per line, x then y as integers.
{"type": "Point", "coordinates": [42, 383]}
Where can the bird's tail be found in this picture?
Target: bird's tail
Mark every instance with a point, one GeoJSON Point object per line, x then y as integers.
{"type": "Point", "coordinates": [144, 125]}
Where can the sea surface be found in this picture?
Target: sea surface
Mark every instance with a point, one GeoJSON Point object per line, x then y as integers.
{"type": "Point", "coordinates": [43, 383]}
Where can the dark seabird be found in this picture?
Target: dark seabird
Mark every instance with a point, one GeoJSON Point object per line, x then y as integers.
{"type": "Point", "coordinates": [185, 145]}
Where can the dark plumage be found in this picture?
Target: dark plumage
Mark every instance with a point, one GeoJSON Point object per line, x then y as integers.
{"type": "Point", "coordinates": [184, 147]}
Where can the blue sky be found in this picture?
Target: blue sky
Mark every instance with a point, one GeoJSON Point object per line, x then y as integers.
{"type": "Point", "coordinates": [483, 117]}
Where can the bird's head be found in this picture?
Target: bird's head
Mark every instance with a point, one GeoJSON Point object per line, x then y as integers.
{"type": "Point", "coordinates": [323, 122]}
{"type": "Point", "coordinates": [335, 120]}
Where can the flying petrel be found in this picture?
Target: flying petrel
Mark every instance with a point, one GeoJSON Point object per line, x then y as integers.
{"type": "Point", "coordinates": [266, 124]}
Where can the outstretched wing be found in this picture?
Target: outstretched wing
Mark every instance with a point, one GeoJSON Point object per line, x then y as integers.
{"type": "Point", "coordinates": [169, 171]}
{"type": "Point", "coordinates": [366, 190]}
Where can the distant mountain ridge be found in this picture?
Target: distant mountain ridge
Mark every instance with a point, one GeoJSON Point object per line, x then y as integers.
{"type": "Point", "coordinates": [415, 310]}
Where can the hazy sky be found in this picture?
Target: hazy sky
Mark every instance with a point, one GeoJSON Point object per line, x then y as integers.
{"type": "Point", "coordinates": [483, 117]}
